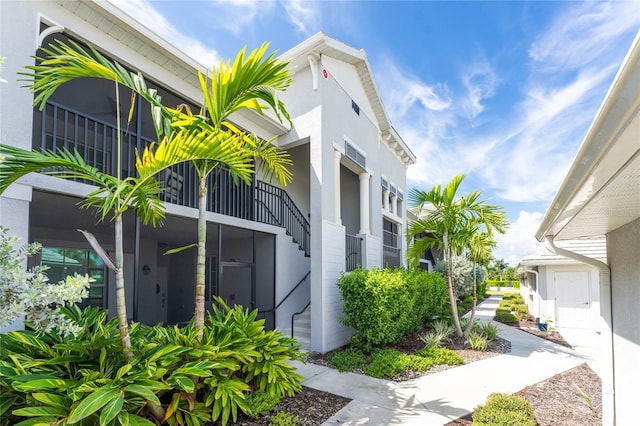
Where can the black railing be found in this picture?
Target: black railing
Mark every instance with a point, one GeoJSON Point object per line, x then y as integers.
{"type": "Point", "coordinates": [353, 250]}
{"type": "Point", "coordinates": [274, 206]}
{"type": "Point", "coordinates": [97, 141]}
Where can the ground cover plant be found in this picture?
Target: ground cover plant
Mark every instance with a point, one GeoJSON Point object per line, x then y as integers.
{"type": "Point", "coordinates": [504, 410]}
{"type": "Point", "coordinates": [86, 379]}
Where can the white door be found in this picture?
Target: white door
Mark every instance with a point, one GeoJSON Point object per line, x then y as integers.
{"type": "Point", "coordinates": [573, 304]}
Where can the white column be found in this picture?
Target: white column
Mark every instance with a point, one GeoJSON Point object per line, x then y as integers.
{"type": "Point", "coordinates": [337, 155]}
{"type": "Point", "coordinates": [364, 203]}
{"type": "Point", "coordinates": [385, 200]}
{"type": "Point", "coordinates": [394, 204]}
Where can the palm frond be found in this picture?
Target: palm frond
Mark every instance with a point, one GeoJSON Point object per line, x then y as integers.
{"type": "Point", "coordinates": [252, 82]}
{"type": "Point", "coordinates": [69, 61]}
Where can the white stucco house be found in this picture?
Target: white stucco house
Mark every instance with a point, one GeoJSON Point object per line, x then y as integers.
{"type": "Point", "coordinates": [279, 250]}
{"type": "Point", "coordinates": [563, 290]}
{"type": "Point", "coordinates": [600, 197]}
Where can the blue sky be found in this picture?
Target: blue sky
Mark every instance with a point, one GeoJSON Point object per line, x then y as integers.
{"type": "Point", "coordinates": [502, 91]}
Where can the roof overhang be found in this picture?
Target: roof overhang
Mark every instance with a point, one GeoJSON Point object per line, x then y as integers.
{"type": "Point", "coordinates": [322, 44]}
{"type": "Point", "coordinates": [601, 191]}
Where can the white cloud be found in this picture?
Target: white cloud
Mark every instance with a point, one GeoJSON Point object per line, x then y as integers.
{"type": "Point", "coordinates": [144, 12]}
{"type": "Point", "coordinates": [583, 34]}
{"type": "Point", "coordinates": [480, 81]}
{"type": "Point", "coordinates": [240, 16]}
{"type": "Point", "coordinates": [519, 241]}
{"type": "Point", "coordinates": [305, 16]}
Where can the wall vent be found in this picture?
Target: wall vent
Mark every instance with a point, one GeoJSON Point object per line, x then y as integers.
{"type": "Point", "coordinates": [352, 153]}
{"type": "Point", "coordinates": [384, 182]}
{"type": "Point", "coordinates": [355, 107]}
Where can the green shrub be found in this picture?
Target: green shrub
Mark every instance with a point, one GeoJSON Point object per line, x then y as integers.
{"type": "Point", "coordinates": [490, 330]}
{"type": "Point", "coordinates": [522, 308]}
{"type": "Point", "coordinates": [392, 363]}
{"type": "Point", "coordinates": [347, 359]}
{"type": "Point", "coordinates": [478, 342]}
{"type": "Point", "coordinates": [505, 317]}
{"type": "Point", "coordinates": [515, 298]}
{"type": "Point", "coordinates": [481, 290]}
{"type": "Point", "coordinates": [506, 303]}
{"type": "Point", "coordinates": [261, 403]}
{"type": "Point", "coordinates": [441, 356]}
{"type": "Point", "coordinates": [282, 418]}
{"type": "Point", "coordinates": [384, 306]}
{"type": "Point", "coordinates": [504, 410]}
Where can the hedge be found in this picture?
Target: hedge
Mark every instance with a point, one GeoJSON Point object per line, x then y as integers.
{"type": "Point", "coordinates": [503, 283]}
{"type": "Point", "coordinates": [385, 305]}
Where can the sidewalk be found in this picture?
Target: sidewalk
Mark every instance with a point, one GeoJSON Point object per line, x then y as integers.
{"type": "Point", "coordinates": [438, 398]}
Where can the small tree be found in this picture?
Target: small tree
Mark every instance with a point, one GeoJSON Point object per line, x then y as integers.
{"type": "Point", "coordinates": [28, 293]}
{"type": "Point", "coordinates": [449, 222]}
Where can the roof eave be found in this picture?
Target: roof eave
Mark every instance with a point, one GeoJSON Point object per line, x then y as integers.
{"type": "Point", "coordinates": [616, 110]}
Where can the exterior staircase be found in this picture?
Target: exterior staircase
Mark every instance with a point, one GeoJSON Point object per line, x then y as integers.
{"type": "Point", "coordinates": [302, 329]}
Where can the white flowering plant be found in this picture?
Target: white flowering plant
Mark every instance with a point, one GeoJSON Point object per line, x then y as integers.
{"type": "Point", "coordinates": [28, 293]}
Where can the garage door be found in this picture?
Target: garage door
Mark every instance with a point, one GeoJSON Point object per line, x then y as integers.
{"type": "Point", "coordinates": [572, 299]}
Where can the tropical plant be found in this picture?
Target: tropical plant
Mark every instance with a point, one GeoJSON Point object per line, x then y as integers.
{"type": "Point", "coordinates": [479, 250]}
{"type": "Point", "coordinates": [86, 378]}
{"type": "Point", "coordinates": [252, 82]}
{"type": "Point", "coordinates": [449, 222]}
{"type": "Point", "coordinates": [478, 341]}
{"type": "Point", "coordinates": [490, 330]}
{"type": "Point", "coordinates": [28, 293]}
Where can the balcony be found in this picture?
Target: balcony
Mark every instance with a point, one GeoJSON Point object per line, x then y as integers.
{"type": "Point", "coordinates": [57, 127]}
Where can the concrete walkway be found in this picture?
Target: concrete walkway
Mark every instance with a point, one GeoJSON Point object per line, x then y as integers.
{"type": "Point", "coordinates": [438, 398]}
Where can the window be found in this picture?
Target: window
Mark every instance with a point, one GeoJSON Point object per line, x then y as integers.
{"type": "Point", "coordinates": [63, 262]}
{"type": "Point", "coordinates": [391, 244]}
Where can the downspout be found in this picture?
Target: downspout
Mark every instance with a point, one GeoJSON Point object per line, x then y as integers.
{"type": "Point", "coordinates": [605, 277]}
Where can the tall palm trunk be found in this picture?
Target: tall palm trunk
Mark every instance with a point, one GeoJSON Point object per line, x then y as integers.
{"type": "Point", "coordinates": [121, 303]}
{"type": "Point", "coordinates": [452, 296]}
{"type": "Point", "coordinates": [200, 265]}
{"type": "Point", "coordinates": [475, 302]}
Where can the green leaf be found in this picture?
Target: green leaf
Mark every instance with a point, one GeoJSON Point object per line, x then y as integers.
{"type": "Point", "coordinates": [39, 412]}
{"type": "Point", "coordinates": [123, 370]}
{"type": "Point", "coordinates": [135, 420]}
{"type": "Point", "coordinates": [167, 350]}
{"type": "Point", "coordinates": [144, 392]}
{"type": "Point", "coordinates": [6, 403]}
{"type": "Point", "coordinates": [37, 421]}
{"type": "Point", "coordinates": [41, 384]}
{"type": "Point", "coordinates": [182, 382]}
{"type": "Point", "coordinates": [179, 249]}
{"type": "Point", "coordinates": [51, 399]}
{"type": "Point", "coordinates": [91, 404]}
{"type": "Point", "coordinates": [111, 410]}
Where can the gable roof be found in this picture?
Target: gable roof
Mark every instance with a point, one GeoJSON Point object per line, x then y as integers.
{"type": "Point", "coordinates": [593, 248]}
{"type": "Point", "coordinates": [601, 191]}
{"type": "Point", "coordinates": [322, 44]}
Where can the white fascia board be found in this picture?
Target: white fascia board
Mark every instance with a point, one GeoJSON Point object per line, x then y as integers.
{"type": "Point", "coordinates": [619, 107]}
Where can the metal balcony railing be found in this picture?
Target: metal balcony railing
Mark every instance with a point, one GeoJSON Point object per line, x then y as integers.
{"type": "Point", "coordinates": [353, 250]}
{"type": "Point", "coordinates": [57, 127]}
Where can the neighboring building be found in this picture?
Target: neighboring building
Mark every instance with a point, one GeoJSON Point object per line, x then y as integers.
{"type": "Point", "coordinates": [600, 197]}
{"type": "Point", "coordinates": [564, 290]}
{"type": "Point", "coordinates": [278, 250]}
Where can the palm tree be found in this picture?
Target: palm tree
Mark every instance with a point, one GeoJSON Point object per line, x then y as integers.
{"type": "Point", "coordinates": [480, 246]}
{"type": "Point", "coordinates": [252, 82]}
{"type": "Point", "coordinates": [449, 223]}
